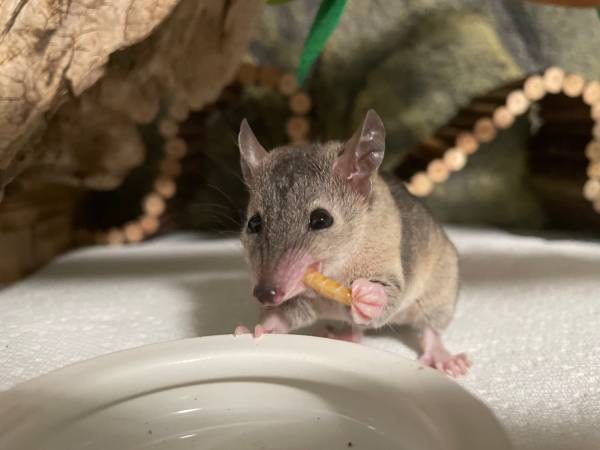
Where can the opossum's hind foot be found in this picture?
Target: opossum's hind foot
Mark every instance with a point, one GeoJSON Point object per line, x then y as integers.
{"type": "Point", "coordinates": [437, 356]}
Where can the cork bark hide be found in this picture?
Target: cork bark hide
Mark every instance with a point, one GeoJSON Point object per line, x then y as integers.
{"type": "Point", "coordinates": [131, 53]}
{"type": "Point", "coordinates": [77, 78]}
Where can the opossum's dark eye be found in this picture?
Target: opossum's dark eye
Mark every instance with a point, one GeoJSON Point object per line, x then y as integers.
{"type": "Point", "coordinates": [320, 219]}
{"type": "Point", "coordinates": [255, 224]}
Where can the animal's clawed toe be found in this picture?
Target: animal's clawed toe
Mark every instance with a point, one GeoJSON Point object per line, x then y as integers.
{"type": "Point", "coordinates": [453, 365]}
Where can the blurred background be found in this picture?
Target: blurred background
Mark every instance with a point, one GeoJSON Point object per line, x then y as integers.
{"type": "Point", "coordinates": [490, 110]}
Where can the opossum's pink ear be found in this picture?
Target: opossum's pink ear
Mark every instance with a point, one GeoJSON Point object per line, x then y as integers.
{"type": "Point", "coordinates": [252, 153]}
{"type": "Point", "coordinates": [362, 154]}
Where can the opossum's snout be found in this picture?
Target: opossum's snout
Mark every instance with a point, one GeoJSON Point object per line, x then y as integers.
{"type": "Point", "coordinates": [284, 281]}
{"type": "Point", "coordinates": [268, 295]}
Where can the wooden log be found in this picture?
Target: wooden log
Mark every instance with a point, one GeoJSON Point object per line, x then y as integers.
{"type": "Point", "coordinates": [420, 185]}
{"type": "Point", "coordinates": [591, 93]}
{"type": "Point", "coordinates": [455, 159]}
{"type": "Point", "coordinates": [503, 118]}
{"type": "Point", "coordinates": [591, 190]}
{"type": "Point", "coordinates": [288, 84]}
{"type": "Point", "coordinates": [247, 74]}
{"type": "Point", "coordinates": [573, 85]}
{"type": "Point", "coordinates": [484, 130]}
{"type": "Point", "coordinates": [175, 148]}
{"type": "Point", "coordinates": [517, 103]}
{"type": "Point", "coordinates": [153, 205]}
{"type": "Point", "coordinates": [300, 103]}
{"type": "Point", "coordinates": [297, 128]}
{"type": "Point", "coordinates": [437, 171]}
{"type": "Point", "coordinates": [534, 88]}
{"type": "Point", "coordinates": [553, 79]}
{"type": "Point", "coordinates": [168, 128]}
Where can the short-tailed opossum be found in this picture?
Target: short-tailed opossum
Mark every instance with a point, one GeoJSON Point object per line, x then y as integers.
{"type": "Point", "coordinates": [327, 206]}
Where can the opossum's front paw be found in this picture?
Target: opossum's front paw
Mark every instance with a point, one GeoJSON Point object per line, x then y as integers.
{"type": "Point", "coordinates": [272, 323]}
{"type": "Point", "coordinates": [368, 301]}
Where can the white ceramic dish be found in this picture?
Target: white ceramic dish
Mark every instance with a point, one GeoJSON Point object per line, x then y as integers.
{"type": "Point", "coordinates": [227, 393]}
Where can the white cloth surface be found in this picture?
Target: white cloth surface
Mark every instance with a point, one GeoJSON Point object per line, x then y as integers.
{"type": "Point", "coordinates": [528, 316]}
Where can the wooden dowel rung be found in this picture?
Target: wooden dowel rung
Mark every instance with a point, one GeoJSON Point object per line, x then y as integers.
{"type": "Point", "coordinates": [553, 79]}
{"type": "Point", "coordinates": [573, 85]}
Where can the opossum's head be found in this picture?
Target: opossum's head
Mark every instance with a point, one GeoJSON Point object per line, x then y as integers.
{"type": "Point", "coordinates": [306, 204]}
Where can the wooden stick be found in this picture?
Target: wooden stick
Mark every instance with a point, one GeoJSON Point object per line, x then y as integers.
{"type": "Point", "coordinates": [553, 79]}
{"type": "Point", "coordinates": [591, 190]}
{"type": "Point", "coordinates": [455, 159]}
{"type": "Point", "coordinates": [437, 171]}
{"type": "Point", "coordinates": [534, 88]}
{"type": "Point", "coordinates": [420, 185]}
{"type": "Point", "coordinates": [300, 103]}
{"type": "Point", "coordinates": [517, 103]}
{"type": "Point", "coordinates": [503, 118]}
{"type": "Point", "coordinates": [326, 287]}
{"type": "Point", "coordinates": [484, 130]}
{"type": "Point", "coordinates": [573, 85]}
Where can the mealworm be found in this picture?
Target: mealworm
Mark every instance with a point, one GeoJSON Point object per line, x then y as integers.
{"type": "Point", "coordinates": [327, 287]}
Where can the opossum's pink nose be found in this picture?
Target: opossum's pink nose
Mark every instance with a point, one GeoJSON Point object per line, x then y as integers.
{"type": "Point", "coordinates": [268, 295]}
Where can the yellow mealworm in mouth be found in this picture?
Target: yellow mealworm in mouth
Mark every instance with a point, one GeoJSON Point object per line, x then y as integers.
{"type": "Point", "coordinates": [327, 287]}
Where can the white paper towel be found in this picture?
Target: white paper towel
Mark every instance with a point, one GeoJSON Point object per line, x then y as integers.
{"type": "Point", "coordinates": [529, 317]}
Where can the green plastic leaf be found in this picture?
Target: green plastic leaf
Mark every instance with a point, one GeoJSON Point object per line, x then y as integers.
{"type": "Point", "coordinates": [277, 2]}
{"type": "Point", "coordinates": [326, 20]}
